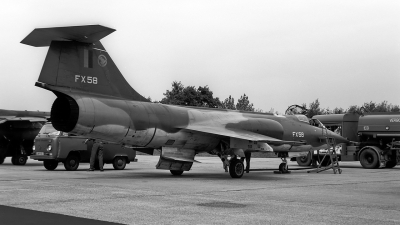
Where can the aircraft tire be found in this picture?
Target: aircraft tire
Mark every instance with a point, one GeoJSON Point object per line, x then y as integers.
{"type": "Point", "coordinates": [391, 164]}
{"type": "Point", "coordinates": [304, 160]}
{"type": "Point", "coordinates": [283, 167]}
{"type": "Point", "coordinates": [236, 168]}
{"type": "Point", "coordinates": [119, 163]}
{"type": "Point", "coordinates": [71, 163]}
{"type": "Point", "coordinates": [2, 160]}
{"type": "Point", "coordinates": [369, 159]}
{"type": "Point", "coordinates": [176, 172]}
{"type": "Point", "coordinates": [50, 164]}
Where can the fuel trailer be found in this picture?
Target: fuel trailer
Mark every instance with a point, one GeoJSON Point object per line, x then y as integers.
{"type": "Point", "coordinates": [375, 139]}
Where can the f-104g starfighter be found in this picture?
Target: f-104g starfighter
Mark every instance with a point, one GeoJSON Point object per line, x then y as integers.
{"type": "Point", "coordinates": [95, 100]}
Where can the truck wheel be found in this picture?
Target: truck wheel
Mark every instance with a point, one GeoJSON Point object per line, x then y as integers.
{"type": "Point", "coordinates": [50, 164]}
{"type": "Point", "coordinates": [391, 164]}
{"type": "Point", "coordinates": [71, 163]}
{"type": "Point", "coordinates": [19, 160]}
{"type": "Point", "coordinates": [236, 168]}
{"type": "Point", "coordinates": [119, 163]}
{"type": "Point", "coordinates": [369, 159]}
{"type": "Point", "coordinates": [176, 172]}
{"type": "Point", "coordinates": [304, 160]}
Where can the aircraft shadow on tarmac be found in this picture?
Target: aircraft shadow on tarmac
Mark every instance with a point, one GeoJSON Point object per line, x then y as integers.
{"type": "Point", "coordinates": [156, 174]}
{"type": "Point", "coordinates": [134, 173]}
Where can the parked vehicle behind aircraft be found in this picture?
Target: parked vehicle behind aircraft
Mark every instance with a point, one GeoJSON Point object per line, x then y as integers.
{"type": "Point", "coordinates": [375, 137]}
{"type": "Point", "coordinates": [52, 146]}
{"type": "Point", "coordinates": [18, 129]}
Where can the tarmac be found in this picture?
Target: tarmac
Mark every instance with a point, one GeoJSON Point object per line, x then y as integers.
{"type": "Point", "coordinates": [140, 194]}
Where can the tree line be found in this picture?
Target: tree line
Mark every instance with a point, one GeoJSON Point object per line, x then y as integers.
{"type": "Point", "coordinates": [203, 97]}
{"type": "Point", "coordinates": [368, 107]}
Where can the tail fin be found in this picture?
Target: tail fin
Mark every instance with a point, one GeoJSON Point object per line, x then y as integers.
{"type": "Point", "coordinates": [76, 59]}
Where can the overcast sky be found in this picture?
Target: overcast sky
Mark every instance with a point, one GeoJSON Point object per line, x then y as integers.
{"type": "Point", "coordinates": [278, 53]}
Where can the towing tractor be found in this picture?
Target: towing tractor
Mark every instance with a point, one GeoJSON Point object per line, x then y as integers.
{"type": "Point", "coordinates": [375, 139]}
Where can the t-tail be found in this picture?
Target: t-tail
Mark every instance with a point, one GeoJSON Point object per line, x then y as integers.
{"type": "Point", "coordinates": [88, 85]}
{"type": "Point", "coordinates": [77, 60]}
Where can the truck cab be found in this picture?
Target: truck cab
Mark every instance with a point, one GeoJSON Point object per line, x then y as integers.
{"type": "Point", "coordinates": [52, 147]}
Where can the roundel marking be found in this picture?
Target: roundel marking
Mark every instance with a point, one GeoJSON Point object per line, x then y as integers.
{"type": "Point", "coordinates": [102, 60]}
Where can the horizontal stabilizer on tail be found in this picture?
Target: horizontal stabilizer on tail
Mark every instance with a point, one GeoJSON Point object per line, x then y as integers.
{"type": "Point", "coordinates": [41, 37]}
{"type": "Point", "coordinates": [78, 62]}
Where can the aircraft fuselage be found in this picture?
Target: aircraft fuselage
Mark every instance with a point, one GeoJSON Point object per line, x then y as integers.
{"type": "Point", "coordinates": [154, 125]}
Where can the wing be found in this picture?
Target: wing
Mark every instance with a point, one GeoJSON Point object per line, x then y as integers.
{"type": "Point", "coordinates": [4, 119]}
{"type": "Point", "coordinates": [240, 134]}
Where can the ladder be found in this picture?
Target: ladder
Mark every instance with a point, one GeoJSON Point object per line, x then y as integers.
{"type": "Point", "coordinates": [333, 157]}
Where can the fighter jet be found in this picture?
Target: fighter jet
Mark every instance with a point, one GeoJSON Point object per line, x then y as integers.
{"type": "Point", "coordinates": [18, 129]}
{"type": "Point", "coordinates": [95, 100]}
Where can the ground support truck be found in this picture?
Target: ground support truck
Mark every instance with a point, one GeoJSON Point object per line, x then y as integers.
{"type": "Point", "coordinates": [52, 146]}
{"type": "Point", "coordinates": [375, 139]}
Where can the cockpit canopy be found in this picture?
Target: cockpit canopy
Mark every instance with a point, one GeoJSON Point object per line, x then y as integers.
{"type": "Point", "coordinates": [305, 119]}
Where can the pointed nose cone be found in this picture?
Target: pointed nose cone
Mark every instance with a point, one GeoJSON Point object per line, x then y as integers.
{"type": "Point", "coordinates": [339, 139]}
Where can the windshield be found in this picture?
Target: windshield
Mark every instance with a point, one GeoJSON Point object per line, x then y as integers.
{"type": "Point", "coordinates": [317, 123]}
{"type": "Point", "coordinates": [49, 129]}
{"type": "Point", "coordinates": [302, 118]}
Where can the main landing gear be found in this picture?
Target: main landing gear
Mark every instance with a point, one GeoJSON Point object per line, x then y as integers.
{"type": "Point", "coordinates": [234, 166]}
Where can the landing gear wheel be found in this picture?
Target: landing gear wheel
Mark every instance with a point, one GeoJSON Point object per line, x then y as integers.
{"type": "Point", "coordinates": [119, 163]}
{"type": "Point", "coordinates": [50, 164]}
{"type": "Point", "coordinates": [236, 168]}
{"type": "Point", "coordinates": [176, 172]}
{"type": "Point", "coordinates": [19, 160]}
{"type": "Point", "coordinates": [71, 163]}
{"type": "Point", "coordinates": [391, 164]}
{"type": "Point", "coordinates": [369, 159]}
{"type": "Point", "coordinates": [283, 168]}
{"type": "Point", "coordinates": [2, 160]}
{"type": "Point", "coordinates": [304, 160]}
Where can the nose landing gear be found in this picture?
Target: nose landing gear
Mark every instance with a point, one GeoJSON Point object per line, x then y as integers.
{"type": "Point", "coordinates": [283, 167]}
